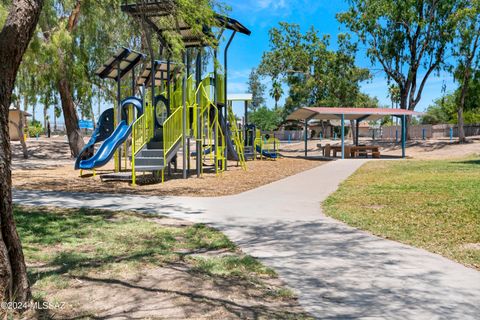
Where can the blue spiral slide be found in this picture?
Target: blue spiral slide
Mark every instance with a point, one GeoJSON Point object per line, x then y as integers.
{"type": "Point", "coordinates": [105, 153]}
{"type": "Point", "coordinates": [108, 147]}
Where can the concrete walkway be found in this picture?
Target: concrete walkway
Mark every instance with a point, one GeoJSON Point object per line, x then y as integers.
{"type": "Point", "coordinates": [339, 272]}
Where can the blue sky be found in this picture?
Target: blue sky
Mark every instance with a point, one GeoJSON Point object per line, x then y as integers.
{"type": "Point", "coordinates": [261, 15]}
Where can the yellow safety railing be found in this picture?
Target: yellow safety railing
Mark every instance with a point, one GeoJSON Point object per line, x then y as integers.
{"type": "Point", "coordinates": [217, 139]}
{"type": "Point", "coordinates": [172, 131]}
{"type": "Point", "coordinates": [237, 138]}
{"type": "Point", "coordinates": [143, 130]}
{"type": "Point", "coordinates": [211, 136]}
{"type": "Point", "coordinates": [220, 87]}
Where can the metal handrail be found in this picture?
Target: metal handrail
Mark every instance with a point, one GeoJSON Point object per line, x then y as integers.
{"type": "Point", "coordinates": [142, 132]}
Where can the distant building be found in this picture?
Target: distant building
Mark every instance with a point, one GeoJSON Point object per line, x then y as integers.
{"type": "Point", "coordinates": [14, 117]}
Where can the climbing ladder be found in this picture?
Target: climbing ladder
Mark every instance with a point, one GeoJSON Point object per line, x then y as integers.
{"type": "Point", "coordinates": [237, 137]}
{"type": "Point", "coordinates": [211, 134]}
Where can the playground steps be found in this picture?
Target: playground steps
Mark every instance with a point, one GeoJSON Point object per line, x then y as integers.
{"type": "Point", "coordinates": [117, 176]}
{"type": "Point", "coordinates": [149, 159]}
{"type": "Point", "coordinates": [248, 153]}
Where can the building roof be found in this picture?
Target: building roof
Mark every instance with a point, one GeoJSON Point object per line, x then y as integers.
{"type": "Point", "coordinates": [25, 113]}
{"type": "Point", "coordinates": [240, 97]}
{"type": "Point", "coordinates": [364, 114]}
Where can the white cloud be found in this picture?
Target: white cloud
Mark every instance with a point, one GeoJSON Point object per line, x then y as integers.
{"type": "Point", "coordinates": [239, 74]}
{"type": "Point", "coordinates": [272, 4]}
{"type": "Point", "coordinates": [237, 87]}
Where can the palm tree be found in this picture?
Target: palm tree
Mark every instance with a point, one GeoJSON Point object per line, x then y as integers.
{"type": "Point", "coordinates": [276, 92]}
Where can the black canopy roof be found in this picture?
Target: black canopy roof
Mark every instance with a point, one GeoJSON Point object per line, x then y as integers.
{"type": "Point", "coordinates": [161, 73]}
{"type": "Point", "coordinates": [124, 60]}
{"type": "Point", "coordinates": [154, 10]}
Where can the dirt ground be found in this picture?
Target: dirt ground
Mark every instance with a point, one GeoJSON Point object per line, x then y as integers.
{"type": "Point", "coordinates": [416, 149]}
{"type": "Point", "coordinates": [50, 168]}
{"type": "Point", "coordinates": [158, 290]}
{"type": "Point", "coordinates": [171, 293]}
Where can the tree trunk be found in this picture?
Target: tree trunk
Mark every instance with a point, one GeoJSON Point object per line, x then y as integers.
{"type": "Point", "coordinates": [352, 127]}
{"type": "Point", "coordinates": [21, 133]}
{"type": "Point", "coordinates": [14, 39]}
{"type": "Point", "coordinates": [460, 124]}
{"type": "Point", "coordinates": [93, 117]}
{"type": "Point", "coordinates": [74, 135]}
{"type": "Point", "coordinates": [21, 130]}
{"type": "Point", "coordinates": [75, 138]}
{"type": "Point", "coordinates": [45, 118]}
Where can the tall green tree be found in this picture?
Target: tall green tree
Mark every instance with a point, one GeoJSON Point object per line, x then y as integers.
{"type": "Point", "coordinates": [407, 38]}
{"type": "Point", "coordinates": [266, 119]}
{"type": "Point", "coordinates": [315, 74]}
{"type": "Point", "coordinates": [74, 37]}
{"type": "Point", "coordinates": [276, 92]}
{"type": "Point", "coordinates": [445, 109]}
{"type": "Point", "coordinates": [465, 50]}
{"type": "Point", "coordinates": [257, 89]}
{"type": "Point", "coordinates": [394, 95]}
{"type": "Point", "coordinates": [15, 36]}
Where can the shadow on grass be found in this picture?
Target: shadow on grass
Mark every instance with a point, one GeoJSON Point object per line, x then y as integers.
{"type": "Point", "coordinates": [473, 161]}
{"type": "Point", "coordinates": [68, 233]}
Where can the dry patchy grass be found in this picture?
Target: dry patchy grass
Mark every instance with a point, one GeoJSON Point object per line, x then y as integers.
{"type": "Point", "coordinates": [104, 264]}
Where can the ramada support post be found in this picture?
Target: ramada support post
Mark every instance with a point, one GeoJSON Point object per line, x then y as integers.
{"type": "Point", "coordinates": [343, 135]}
{"type": "Point", "coordinates": [306, 137]}
{"type": "Point", "coordinates": [357, 127]}
{"type": "Point", "coordinates": [404, 135]}
{"type": "Point", "coordinates": [306, 134]}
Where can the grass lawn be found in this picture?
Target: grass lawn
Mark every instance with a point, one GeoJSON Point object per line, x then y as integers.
{"type": "Point", "coordinates": [433, 205]}
{"type": "Point", "coordinates": [80, 256]}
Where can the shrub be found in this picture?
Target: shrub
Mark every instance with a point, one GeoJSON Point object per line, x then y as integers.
{"type": "Point", "coordinates": [35, 128]}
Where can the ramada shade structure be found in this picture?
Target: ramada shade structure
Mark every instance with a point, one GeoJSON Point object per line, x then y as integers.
{"type": "Point", "coordinates": [356, 114]}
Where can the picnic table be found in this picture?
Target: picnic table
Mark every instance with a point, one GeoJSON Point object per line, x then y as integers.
{"type": "Point", "coordinates": [351, 151]}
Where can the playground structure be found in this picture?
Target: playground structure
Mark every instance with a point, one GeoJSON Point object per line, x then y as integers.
{"type": "Point", "coordinates": [266, 147]}
{"type": "Point", "coordinates": [145, 131]}
{"type": "Point", "coordinates": [255, 146]}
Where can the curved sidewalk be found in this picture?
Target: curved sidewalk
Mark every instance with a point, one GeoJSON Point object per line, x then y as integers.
{"type": "Point", "coordinates": [339, 272]}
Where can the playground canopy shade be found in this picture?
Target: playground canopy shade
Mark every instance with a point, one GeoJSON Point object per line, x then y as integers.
{"type": "Point", "coordinates": [362, 114]}
{"type": "Point", "coordinates": [153, 11]}
{"type": "Point", "coordinates": [357, 114]}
